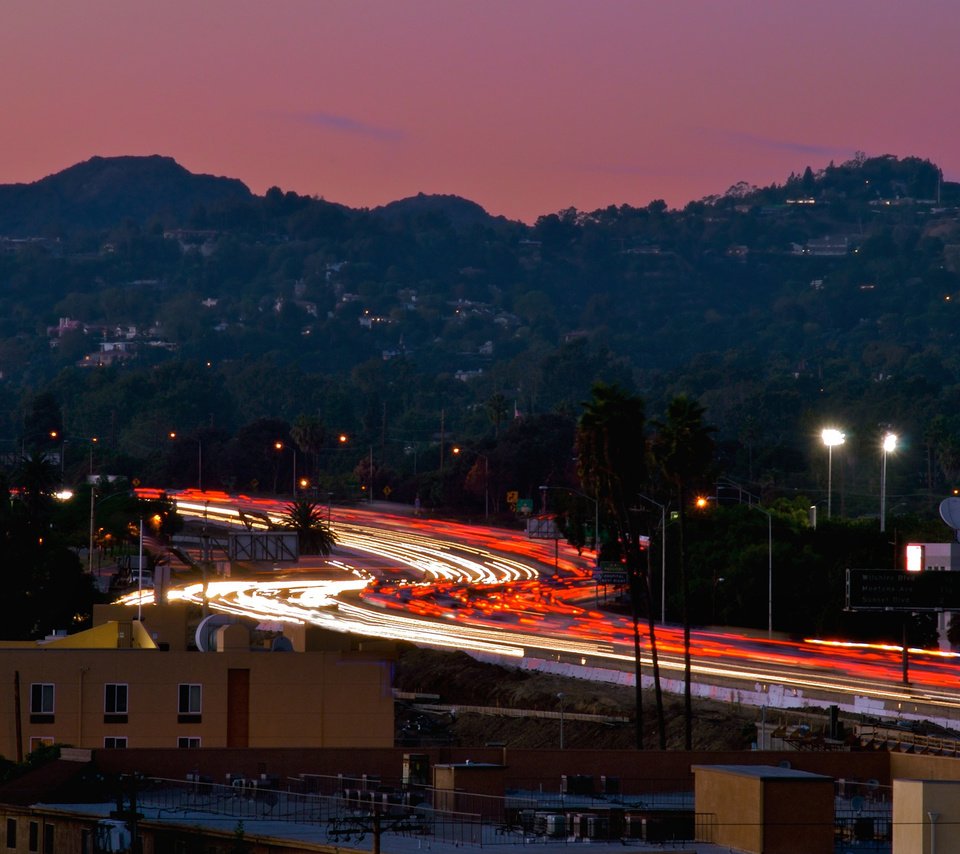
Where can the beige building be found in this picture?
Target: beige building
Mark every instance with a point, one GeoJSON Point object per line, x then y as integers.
{"type": "Point", "coordinates": [126, 683]}
{"type": "Point", "coordinates": [926, 816]}
{"type": "Point", "coordinates": [766, 809]}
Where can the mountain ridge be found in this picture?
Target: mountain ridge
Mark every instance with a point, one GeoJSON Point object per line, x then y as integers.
{"type": "Point", "coordinates": [102, 192]}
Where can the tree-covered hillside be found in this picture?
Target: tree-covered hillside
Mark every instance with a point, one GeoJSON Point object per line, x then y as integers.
{"type": "Point", "coordinates": [147, 300]}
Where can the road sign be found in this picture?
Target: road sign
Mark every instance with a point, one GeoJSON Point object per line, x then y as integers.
{"type": "Point", "coordinates": [513, 496]}
{"type": "Point", "coordinates": [276, 546]}
{"type": "Point", "coordinates": [525, 506]}
{"type": "Point", "coordinates": [610, 572]}
{"type": "Point", "coordinates": [896, 590]}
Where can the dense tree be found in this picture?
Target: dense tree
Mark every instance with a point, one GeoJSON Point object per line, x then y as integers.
{"type": "Point", "coordinates": [613, 462]}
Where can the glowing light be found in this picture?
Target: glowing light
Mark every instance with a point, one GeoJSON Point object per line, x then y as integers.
{"type": "Point", "coordinates": [914, 554]}
{"type": "Point", "coordinates": [832, 437]}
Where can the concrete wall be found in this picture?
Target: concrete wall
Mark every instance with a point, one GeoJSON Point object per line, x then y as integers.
{"type": "Point", "coordinates": [294, 699]}
{"type": "Point", "coordinates": [926, 816]}
{"type": "Point", "coordinates": [737, 805]}
{"type": "Point", "coordinates": [638, 771]}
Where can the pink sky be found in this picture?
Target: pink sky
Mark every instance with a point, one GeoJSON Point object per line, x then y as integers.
{"type": "Point", "coordinates": [524, 106]}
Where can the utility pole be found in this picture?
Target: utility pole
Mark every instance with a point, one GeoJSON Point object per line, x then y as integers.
{"type": "Point", "coordinates": [441, 441]}
{"type": "Point", "coordinates": [93, 498]}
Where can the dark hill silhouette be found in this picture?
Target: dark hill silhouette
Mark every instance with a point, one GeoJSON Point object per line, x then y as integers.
{"type": "Point", "coordinates": [105, 191]}
{"type": "Point", "coordinates": [461, 213]}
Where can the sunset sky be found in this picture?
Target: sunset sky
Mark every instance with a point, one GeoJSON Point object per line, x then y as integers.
{"type": "Point", "coordinates": [524, 106]}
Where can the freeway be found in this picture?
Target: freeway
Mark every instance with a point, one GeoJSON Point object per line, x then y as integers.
{"type": "Point", "coordinates": [498, 594]}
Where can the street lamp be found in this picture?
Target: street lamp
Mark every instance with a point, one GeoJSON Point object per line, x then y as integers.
{"type": "Point", "coordinates": [172, 435]}
{"type": "Point", "coordinates": [831, 436]}
{"type": "Point", "coordinates": [753, 502]}
{"type": "Point", "coordinates": [278, 447]}
{"type": "Point", "coordinates": [93, 442]}
{"type": "Point", "coordinates": [63, 446]}
{"type": "Point", "coordinates": [457, 450]}
{"type": "Point", "coordinates": [889, 446]}
{"type": "Point", "coordinates": [93, 505]}
{"type": "Point", "coordinates": [663, 554]}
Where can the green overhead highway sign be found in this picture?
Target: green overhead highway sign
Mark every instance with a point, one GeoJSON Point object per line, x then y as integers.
{"type": "Point", "coordinates": [897, 590]}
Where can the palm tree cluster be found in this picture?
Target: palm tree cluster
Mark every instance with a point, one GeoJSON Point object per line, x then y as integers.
{"type": "Point", "coordinates": [619, 461]}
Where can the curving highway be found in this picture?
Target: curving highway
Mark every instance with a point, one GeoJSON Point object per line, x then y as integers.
{"type": "Point", "coordinates": [500, 595]}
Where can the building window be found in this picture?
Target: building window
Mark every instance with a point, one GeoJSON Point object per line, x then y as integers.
{"type": "Point", "coordinates": [115, 703]}
{"type": "Point", "coordinates": [48, 839]}
{"type": "Point", "coordinates": [115, 742]}
{"type": "Point", "coordinates": [41, 703]}
{"type": "Point", "coordinates": [189, 703]}
{"type": "Point", "coordinates": [188, 742]}
{"type": "Point", "coordinates": [38, 741]}
{"type": "Point", "coordinates": [34, 841]}
{"type": "Point", "coordinates": [11, 833]}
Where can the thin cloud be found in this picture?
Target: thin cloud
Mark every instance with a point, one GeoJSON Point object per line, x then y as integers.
{"type": "Point", "coordinates": [346, 124]}
{"type": "Point", "coordinates": [769, 143]}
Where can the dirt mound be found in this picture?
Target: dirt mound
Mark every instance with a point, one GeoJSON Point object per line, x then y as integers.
{"type": "Point", "coordinates": [459, 680]}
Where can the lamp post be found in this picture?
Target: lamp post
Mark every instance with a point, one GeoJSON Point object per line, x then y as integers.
{"type": "Point", "coordinates": [831, 436]}
{"type": "Point", "coordinates": [753, 501]}
{"type": "Point", "coordinates": [278, 447]}
{"type": "Point", "coordinates": [140, 576]}
{"type": "Point", "coordinates": [93, 506]}
{"type": "Point", "coordinates": [663, 554]}
{"type": "Point", "coordinates": [173, 435]}
{"type": "Point", "coordinates": [63, 446]}
{"type": "Point", "coordinates": [889, 446]}
{"type": "Point", "coordinates": [457, 450]}
{"type": "Point", "coordinates": [93, 442]}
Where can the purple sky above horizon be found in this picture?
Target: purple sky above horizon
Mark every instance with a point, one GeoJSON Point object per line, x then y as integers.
{"type": "Point", "coordinates": [524, 106]}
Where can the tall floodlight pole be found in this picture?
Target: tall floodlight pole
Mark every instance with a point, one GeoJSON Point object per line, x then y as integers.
{"type": "Point", "coordinates": [831, 436]}
{"type": "Point", "coordinates": [889, 446]}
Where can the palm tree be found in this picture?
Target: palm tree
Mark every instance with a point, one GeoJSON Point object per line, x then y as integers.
{"type": "Point", "coordinates": [313, 532]}
{"type": "Point", "coordinates": [37, 479]}
{"type": "Point", "coordinates": [683, 449]}
{"type": "Point", "coordinates": [614, 463]}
